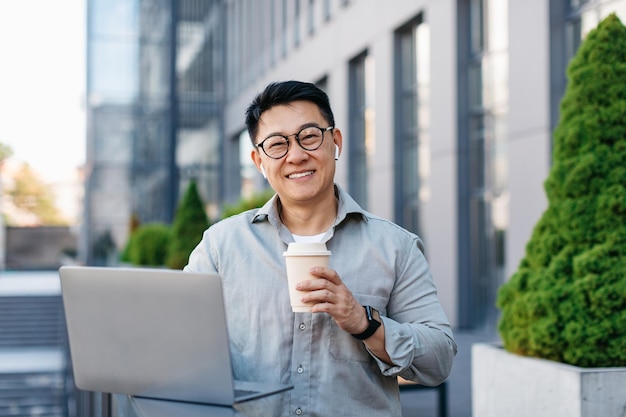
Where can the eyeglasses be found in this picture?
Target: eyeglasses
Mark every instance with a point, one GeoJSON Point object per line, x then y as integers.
{"type": "Point", "coordinates": [309, 138]}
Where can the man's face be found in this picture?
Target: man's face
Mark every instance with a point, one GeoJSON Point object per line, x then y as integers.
{"type": "Point", "coordinates": [300, 177]}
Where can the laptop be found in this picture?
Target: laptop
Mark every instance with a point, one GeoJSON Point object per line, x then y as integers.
{"type": "Point", "coordinates": [154, 333]}
{"type": "Point", "coordinates": [148, 407]}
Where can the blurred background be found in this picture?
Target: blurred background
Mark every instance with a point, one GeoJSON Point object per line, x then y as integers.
{"type": "Point", "coordinates": [110, 109]}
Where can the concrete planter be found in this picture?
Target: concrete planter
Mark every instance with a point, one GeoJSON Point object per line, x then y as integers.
{"type": "Point", "coordinates": [504, 384]}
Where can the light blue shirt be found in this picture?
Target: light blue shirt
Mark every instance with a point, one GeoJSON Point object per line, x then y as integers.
{"type": "Point", "coordinates": [333, 374]}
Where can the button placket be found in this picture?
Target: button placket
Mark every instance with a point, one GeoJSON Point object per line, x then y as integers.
{"type": "Point", "coordinates": [301, 358]}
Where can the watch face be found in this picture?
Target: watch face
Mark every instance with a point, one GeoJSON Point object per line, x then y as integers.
{"type": "Point", "coordinates": [375, 314]}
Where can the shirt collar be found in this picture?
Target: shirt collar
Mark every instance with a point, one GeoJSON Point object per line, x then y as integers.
{"type": "Point", "coordinates": [347, 207]}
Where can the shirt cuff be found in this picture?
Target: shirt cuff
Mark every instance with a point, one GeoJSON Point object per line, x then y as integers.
{"type": "Point", "coordinates": [399, 346]}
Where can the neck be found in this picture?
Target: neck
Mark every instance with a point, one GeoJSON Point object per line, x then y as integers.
{"type": "Point", "coordinates": [309, 219]}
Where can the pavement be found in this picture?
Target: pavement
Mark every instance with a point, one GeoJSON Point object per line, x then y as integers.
{"type": "Point", "coordinates": [423, 403]}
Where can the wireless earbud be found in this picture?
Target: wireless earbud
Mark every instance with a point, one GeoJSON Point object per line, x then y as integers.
{"type": "Point", "coordinates": [263, 172]}
{"type": "Point", "coordinates": [336, 152]}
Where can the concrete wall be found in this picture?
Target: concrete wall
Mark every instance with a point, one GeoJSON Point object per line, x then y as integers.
{"type": "Point", "coordinates": [529, 122]}
{"type": "Point", "coordinates": [37, 248]}
{"type": "Point", "coordinates": [504, 384]}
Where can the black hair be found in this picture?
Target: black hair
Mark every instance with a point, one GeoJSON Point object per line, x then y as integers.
{"type": "Point", "coordinates": [283, 93]}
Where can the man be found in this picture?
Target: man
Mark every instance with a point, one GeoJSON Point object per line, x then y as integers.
{"type": "Point", "coordinates": [376, 314]}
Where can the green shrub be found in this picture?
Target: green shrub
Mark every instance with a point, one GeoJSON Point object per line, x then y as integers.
{"type": "Point", "coordinates": [147, 245]}
{"type": "Point", "coordinates": [190, 221]}
{"type": "Point", "coordinates": [567, 300]}
{"type": "Point", "coordinates": [133, 225]}
{"type": "Point", "coordinates": [244, 204]}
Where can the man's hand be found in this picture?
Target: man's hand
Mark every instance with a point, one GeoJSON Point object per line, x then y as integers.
{"type": "Point", "coordinates": [331, 296]}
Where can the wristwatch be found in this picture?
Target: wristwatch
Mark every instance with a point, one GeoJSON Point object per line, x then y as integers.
{"type": "Point", "coordinates": [373, 323]}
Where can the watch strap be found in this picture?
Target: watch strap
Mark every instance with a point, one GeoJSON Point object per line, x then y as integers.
{"type": "Point", "coordinates": [372, 324]}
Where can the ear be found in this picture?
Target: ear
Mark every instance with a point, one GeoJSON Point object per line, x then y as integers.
{"type": "Point", "coordinates": [256, 159]}
{"type": "Point", "coordinates": [338, 139]}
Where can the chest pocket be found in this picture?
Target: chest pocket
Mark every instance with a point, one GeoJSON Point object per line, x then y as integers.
{"type": "Point", "coordinates": [343, 346]}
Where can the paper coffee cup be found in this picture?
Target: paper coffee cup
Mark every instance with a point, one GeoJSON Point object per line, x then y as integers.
{"type": "Point", "coordinates": [299, 259]}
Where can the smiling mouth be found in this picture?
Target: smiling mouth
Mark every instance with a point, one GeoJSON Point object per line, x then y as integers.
{"type": "Point", "coordinates": [299, 175]}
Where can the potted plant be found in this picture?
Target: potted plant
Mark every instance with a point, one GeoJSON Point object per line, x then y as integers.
{"type": "Point", "coordinates": [563, 322]}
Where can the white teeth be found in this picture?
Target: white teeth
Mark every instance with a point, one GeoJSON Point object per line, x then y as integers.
{"type": "Point", "coordinates": [300, 175]}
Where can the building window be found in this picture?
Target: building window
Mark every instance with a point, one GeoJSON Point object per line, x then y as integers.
{"type": "Point", "coordinates": [272, 32]}
{"type": "Point", "coordinates": [570, 24]}
{"type": "Point", "coordinates": [361, 120]}
{"type": "Point", "coordinates": [284, 26]}
{"type": "Point", "coordinates": [311, 17]}
{"type": "Point", "coordinates": [114, 44]}
{"type": "Point", "coordinates": [412, 143]}
{"type": "Point", "coordinates": [483, 177]}
{"type": "Point", "coordinates": [296, 23]}
{"type": "Point", "coordinates": [584, 15]}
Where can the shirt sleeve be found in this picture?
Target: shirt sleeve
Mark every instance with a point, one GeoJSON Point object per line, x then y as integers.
{"type": "Point", "coordinates": [418, 336]}
{"type": "Point", "coordinates": [200, 259]}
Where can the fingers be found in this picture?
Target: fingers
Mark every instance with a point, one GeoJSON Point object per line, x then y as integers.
{"type": "Point", "coordinates": [331, 296]}
{"type": "Point", "coordinates": [328, 289]}
{"type": "Point", "coordinates": [324, 289]}
{"type": "Point", "coordinates": [328, 274]}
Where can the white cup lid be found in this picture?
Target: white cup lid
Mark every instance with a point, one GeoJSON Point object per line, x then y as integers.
{"type": "Point", "coordinates": [306, 249]}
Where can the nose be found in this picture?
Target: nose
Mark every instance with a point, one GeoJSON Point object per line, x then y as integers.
{"type": "Point", "coordinates": [295, 153]}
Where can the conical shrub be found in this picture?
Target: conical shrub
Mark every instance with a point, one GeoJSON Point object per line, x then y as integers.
{"type": "Point", "coordinates": [190, 221]}
{"type": "Point", "coordinates": [567, 300]}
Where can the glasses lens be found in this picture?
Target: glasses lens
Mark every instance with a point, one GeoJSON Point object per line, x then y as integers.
{"type": "Point", "coordinates": [310, 138]}
{"type": "Point", "coordinates": [275, 146]}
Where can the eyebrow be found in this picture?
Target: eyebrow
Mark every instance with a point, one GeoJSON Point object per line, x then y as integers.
{"type": "Point", "coordinates": [303, 126]}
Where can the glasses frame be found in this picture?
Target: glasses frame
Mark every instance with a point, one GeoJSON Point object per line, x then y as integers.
{"type": "Point", "coordinates": [297, 136]}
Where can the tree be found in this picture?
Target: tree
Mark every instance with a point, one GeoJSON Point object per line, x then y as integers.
{"type": "Point", "coordinates": [190, 221]}
{"type": "Point", "coordinates": [567, 300]}
{"type": "Point", "coordinates": [5, 152]}
{"type": "Point", "coordinates": [30, 195]}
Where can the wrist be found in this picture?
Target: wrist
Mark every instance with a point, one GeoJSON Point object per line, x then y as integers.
{"type": "Point", "coordinates": [363, 322]}
{"type": "Point", "coordinates": [373, 322]}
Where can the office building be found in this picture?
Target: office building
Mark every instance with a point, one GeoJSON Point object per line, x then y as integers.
{"type": "Point", "coordinates": [446, 107]}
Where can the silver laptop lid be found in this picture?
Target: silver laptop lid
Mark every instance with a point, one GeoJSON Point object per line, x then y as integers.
{"type": "Point", "coordinates": [148, 332]}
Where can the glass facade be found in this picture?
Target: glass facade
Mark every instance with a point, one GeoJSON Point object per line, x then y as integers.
{"type": "Point", "coordinates": [584, 15]}
{"type": "Point", "coordinates": [483, 173]}
{"type": "Point", "coordinates": [412, 140]}
{"type": "Point", "coordinates": [153, 85]}
{"type": "Point", "coordinates": [164, 74]}
{"type": "Point", "coordinates": [112, 92]}
{"type": "Point", "coordinates": [198, 80]}
{"type": "Point", "coordinates": [571, 21]}
{"type": "Point", "coordinates": [361, 122]}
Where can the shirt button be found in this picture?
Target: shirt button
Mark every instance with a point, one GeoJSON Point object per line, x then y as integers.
{"type": "Point", "coordinates": [298, 411]}
{"type": "Point", "coordinates": [300, 369]}
{"type": "Point", "coordinates": [302, 326]}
